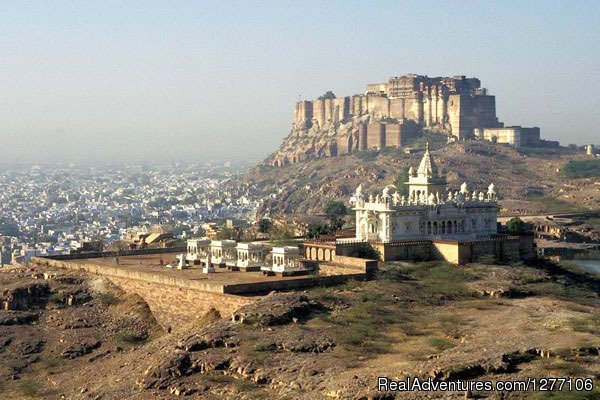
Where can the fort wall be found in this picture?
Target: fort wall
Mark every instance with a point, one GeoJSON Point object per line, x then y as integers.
{"type": "Point", "coordinates": [376, 135]}
{"type": "Point", "coordinates": [454, 105]}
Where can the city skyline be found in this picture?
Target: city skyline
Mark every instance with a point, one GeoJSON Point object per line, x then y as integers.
{"type": "Point", "coordinates": [160, 82]}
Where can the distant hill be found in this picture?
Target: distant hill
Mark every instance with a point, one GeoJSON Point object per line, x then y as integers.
{"type": "Point", "coordinates": [528, 181]}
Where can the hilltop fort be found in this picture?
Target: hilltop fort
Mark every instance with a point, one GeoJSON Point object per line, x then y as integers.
{"type": "Point", "coordinates": [393, 113]}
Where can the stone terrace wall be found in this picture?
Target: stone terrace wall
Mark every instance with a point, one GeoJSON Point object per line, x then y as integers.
{"type": "Point", "coordinates": [174, 305]}
{"type": "Point", "coordinates": [172, 300]}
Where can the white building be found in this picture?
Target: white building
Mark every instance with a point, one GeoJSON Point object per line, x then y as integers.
{"type": "Point", "coordinates": [223, 252]}
{"type": "Point", "coordinates": [429, 212]}
{"type": "Point", "coordinates": [249, 256]}
{"type": "Point", "coordinates": [285, 258]}
{"type": "Point", "coordinates": [198, 250]}
{"type": "Point", "coordinates": [516, 136]}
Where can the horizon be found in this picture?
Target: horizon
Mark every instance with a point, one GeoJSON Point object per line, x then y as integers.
{"type": "Point", "coordinates": [157, 82]}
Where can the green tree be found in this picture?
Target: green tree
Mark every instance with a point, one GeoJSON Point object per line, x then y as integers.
{"type": "Point", "coordinates": [402, 178]}
{"type": "Point", "coordinates": [335, 212]}
{"type": "Point", "coordinates": [316, 229]}
{"type": "Point", "coordinates": [264, 225]}
{"type": "Point", "coordinates": [327, 96]}
{"type": "Point", "coordinates": [225, 233]}
{"type": "Point", "coordinates": [282, 232]}
{"type": "Point", "coordinates": [515, 226]}
{"type": "Point", "coordinates": [582, 169]}
{"type": "Point", "coordinates": [335, 209]}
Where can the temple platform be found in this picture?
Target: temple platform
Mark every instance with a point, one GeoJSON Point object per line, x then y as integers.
{"type": "Point", "coordinates": [147, 267]}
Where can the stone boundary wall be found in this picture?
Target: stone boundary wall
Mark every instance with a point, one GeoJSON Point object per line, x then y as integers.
{"type": "Point", "coordinates": [412, 251]}
{"type": "Point", "coordinates": [175, 300]}
{"type": "Point", "coordinates": [123, 253]}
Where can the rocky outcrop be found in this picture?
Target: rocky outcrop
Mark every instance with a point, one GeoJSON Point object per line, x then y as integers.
{"type": "Point", "coordinates": [17, 317]}
{"type": "Point", "coordinates": [25, 296]}
{"type": "Point", "coordinates": [223, 346]}
{"type": "Point", "coordinates": [80, 349]}
{"type": "Point", "coordinates": [219, 334]}
{"type": "Point", "coordinates": [276, 309]}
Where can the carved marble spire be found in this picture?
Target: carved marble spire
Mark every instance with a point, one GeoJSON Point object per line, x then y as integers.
{"type": "Point", "coordinates": [491, 193]}
{"type": "Point", "coordinates": [427, 167]}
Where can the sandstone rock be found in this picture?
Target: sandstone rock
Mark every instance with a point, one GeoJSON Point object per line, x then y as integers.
{"type": "Point", "coordinates": [307, 344]}
{"type": "Point", "coordinates": [25, 296]}
{"type": "Point", "coordinates": [31, 346]}
{"type": "Point", "coordinates": [276, 309]}
{"type": "Point", "coordinates": [69, 279]}
{"type": "Point", "coordinates": [5, 342]}
{"type": "Point", "coordinates": [162, 375]}
{"type": "Point", "coordinates": [77, 323]}
{"type": "Point", "coordinates": [17, 317]}
{"type": "Point", "coordinates": [219, 334]}
{"type": "Point", "coordinates": [80, 349]}
{"type": "Point", "coordinates": [210, 361]}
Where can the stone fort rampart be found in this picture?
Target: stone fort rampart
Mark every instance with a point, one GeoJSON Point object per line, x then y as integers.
{"type": "Point", "coordinates": [387, 115]}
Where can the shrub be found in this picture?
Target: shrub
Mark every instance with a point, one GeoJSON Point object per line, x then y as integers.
{"type": "Point", "coordinates": [316, 229]}
{"type": "Point", "coordinates": [402, 178]}
{"type": "Point", "coordinates": [57, 298]}
{"type": "Point", "coordinates": [52, 363]}
{"type": "Point", "coordinates": [582, 169]}
{"type": "Point", "coordinates": [264, 226]}
{"type": "Point", "coordinates": [29, 387]}
{"type": "Point", "coordinates": [329, 95]}
{"type": "Point", "coordinates": [366, 251]}
{"type": "Point", "coordinates": [589, 324]}
{"type": "Point", "coordinates": [441, 344]}
{"type": "Point", "coordinates": [367, 155]}
{"type": "Point", "coordinates": [107, 299]}
{"type": "Point", "coordinates": [515, 226]}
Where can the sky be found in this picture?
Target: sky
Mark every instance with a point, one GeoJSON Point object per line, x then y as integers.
{"type": "Point", "coordinates": [162, 81]}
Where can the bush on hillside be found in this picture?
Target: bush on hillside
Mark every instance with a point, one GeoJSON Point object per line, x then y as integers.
{"type": "Point", "coordinates": [582, 169]}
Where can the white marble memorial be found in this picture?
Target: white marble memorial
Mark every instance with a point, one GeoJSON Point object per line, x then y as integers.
{"type": "Point", "coordinates": [198, 250]}
{"type": "Point", "coordinates": [223, 252]}
{"type": "Point", "coordinates": [249, 256]}
{"type": "Point", "coordinates": [285, 258]}
{"type": "Point", "coordinates": [429, 212]}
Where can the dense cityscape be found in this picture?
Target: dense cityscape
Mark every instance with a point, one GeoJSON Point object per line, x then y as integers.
{"type": "Point", "coordinates": [55, 209]}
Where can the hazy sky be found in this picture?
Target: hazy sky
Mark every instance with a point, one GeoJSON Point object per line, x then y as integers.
{"type": "Point", "coordinates": [194, 80]}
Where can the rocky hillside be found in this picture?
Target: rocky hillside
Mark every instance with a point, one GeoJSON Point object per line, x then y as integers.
{"type": "Point", "coordinates": [481, 322]}
{"type": "Point", "coordinates": [527, 181]}
{"type": "Point", "coordinates": [315, 142]}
